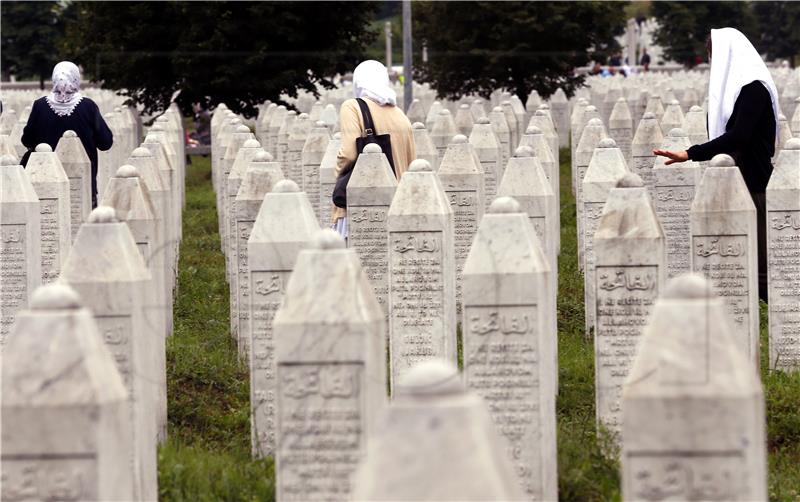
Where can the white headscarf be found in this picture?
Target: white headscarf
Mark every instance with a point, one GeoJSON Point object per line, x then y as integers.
{"type": "Point", "coordinates": [734, 64]}
{"type": "Point", "coordinates": [371, 80]}
{"type": "Point", "coordinates": [66, 94]}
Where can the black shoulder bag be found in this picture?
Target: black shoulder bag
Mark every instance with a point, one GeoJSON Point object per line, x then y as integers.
{"type": "Point", "coordinates": [370, 136]}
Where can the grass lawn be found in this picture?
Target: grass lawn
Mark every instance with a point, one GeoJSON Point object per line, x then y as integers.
{"type": "Point", "coordinates": [207, 455]}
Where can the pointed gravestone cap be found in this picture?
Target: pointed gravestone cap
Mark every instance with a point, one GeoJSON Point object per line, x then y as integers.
{"type": "Point", "coordinates": [524, 151]}
{"type": "Point", "coordinates": [127, 171]}
{"type": "Point", "coordinates": [44, 147]}
{"type": "Point", "coordinates": [420, 165]}
{"type": "Point", "coordinates": [286, 186]}
{"type": "Point", "coordinates": [415, 125]}
{"type": "Point", "coordinates": [103, 214]}
{"type": "Point", "coordinates": [504, 205]}
{"type": "Point", "coordinates": [55, 296]}
{"type": "Point", "coordinates": [327, 239]}
{"type": "Point", "coordinates": [688, 286]}
{"type": "Point", "coordinates": [630, 180]}
{"type": "Point", "coordinates": [483, 120]}
{"type": "Point", "coordinates": [434, 377]}
{"type": "Point", "coordinates": [722, 160]}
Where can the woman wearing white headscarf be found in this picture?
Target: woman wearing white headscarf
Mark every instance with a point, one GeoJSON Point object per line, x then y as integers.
{"type": "Point", "coordinates": [65, 109]}
{"type": "Point", "coordinates": [742, 112]}
{"type": "Point", "coordinates": [371, 83]}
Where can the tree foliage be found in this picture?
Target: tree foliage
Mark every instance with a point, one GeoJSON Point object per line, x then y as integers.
{"type": "Point", "coordinates": [30, 33]}
{"type": "Point", "coordinates": [239, 53]}
{"type": "Point", "coordinates": [780, 28]}
{"type": "Point", "coordinates": [476, 47]}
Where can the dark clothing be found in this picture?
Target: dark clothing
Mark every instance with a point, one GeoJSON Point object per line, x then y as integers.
{"type": "Point", "coordinates": [749, 137]}
{"type": "Point", "coordinates": [44, 126]}
{"type": "Point", "coordinates": [760, 201]}
{"type": "Point", "coordinates": [645, 60]}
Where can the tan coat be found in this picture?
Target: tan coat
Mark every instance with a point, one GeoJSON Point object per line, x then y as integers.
{"type": "Point", "coordinates": [388, 120]}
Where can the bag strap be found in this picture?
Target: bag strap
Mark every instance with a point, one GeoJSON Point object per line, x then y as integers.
{"type": "Point", "coordinates": [369, 126]}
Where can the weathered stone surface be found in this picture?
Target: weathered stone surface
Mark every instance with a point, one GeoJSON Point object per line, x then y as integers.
{"type": "Point", "coordinates": [422, 309]}
{"type": "Point", "coordinates": [436, 443]}
{"type": "Point", "coordinates": [296, 139]}
{"type": "Point", "coordinates": [20, 242]}
{"type": "Point", "coordinates": [426, 149]}
{"type": "Point", "coordinates": [783, 249]}
{"type": "Point", "coordinates": [311, 158]}
{"type": "Point", "coordinates": [442, 131]}
{"type": "Point", "coordinates": [541, 118]}
{"type": "Point", "coordinates": [275, 122]}
{"type": "Point", "coordinates": [106, 269]}
{"type": "Point", "coordinates": [693, 424]}
{"type": "Point", "coordinates": [462, 178]}
{"type": "Point", "coordinates": [509, 309]}
{"type": "Point", "coordinates": [673, 116]}
{"type": "Point", "coordinates": [648, 137]}
{"type": "Point", "coordinates": [630, 271]}
{"type": "Point", "coordinates": [416, 111]}
{"type": "Point", "coordinates": [284, 225]}
{"type": "Point", "coordinates": [487, 147]}
{"type": "Point", "coordinates": [327, 179]}
{"type": "Point", "coordinates": [478, 109]}
{"type": "Point", "coordinates": [433, 112]}
{"type": "Point", "coordinates": [534, 138]}
{"type": "Point", "coordinates": [331, 371]}
{"type": "Point", "coordinates": [559, 105]}
{"type": "Point", "coordinates": [674, 188]}
{"type": "Point", "coordinates": [575, 131]}
{"type": "Point", "coordinates": [463, 120]}
{"type": "Point", "coordinates": [593, 133]}
{"type": "Point", "coordinates": [620, 127]}
{"type": "Point", "coordinates": [500, 125]}
{"type": "Point", "coordinates": [51, 185]}
{"type": "Point", "coordinates": [723, 220]}
{"type": "Point", "coordinates": [655, 106]}
{"type": "Point", "coordinates": [65, 417]}
{"type": "Point", "coordinates": [78, 168]}
{"type": "Point", "coordinates": [606, 168]}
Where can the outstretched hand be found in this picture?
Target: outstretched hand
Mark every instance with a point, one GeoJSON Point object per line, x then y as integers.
{"type": "Point", "coordinates": [679, 156]}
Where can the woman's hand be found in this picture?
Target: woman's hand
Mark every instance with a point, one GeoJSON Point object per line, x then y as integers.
{"type": "Point", "coordinates": [680, 156]}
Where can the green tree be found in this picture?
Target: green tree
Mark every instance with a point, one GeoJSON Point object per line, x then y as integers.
{"type": "Point", "coordinates": [239, 53]}
{"type": "Point", "coordinates": [476, 47]}
{"type": "Point", "coordinates": [684, 26]}
{"type": "Point", "coordinates": [30, 34]}
{"type": "Point", "coordinates": [779, 24]}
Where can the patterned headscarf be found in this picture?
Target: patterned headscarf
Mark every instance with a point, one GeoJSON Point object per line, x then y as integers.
{"type": "Point", "coordinates": [66, 94]}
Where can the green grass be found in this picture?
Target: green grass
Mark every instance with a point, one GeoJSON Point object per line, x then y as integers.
{"type": "Point", "coordinates": [207, 456]}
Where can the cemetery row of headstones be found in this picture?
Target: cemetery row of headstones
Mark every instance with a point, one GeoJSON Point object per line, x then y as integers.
{"type": "Point", "coordinates": [85, 308]}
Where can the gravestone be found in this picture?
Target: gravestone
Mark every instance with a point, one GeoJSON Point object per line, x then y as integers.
{"type": "Point", "coordinates": [296, 139]}
{"type": "Point", "coordinates": [416, 112]}
{"type": "Point", "coordinates": [575, 131]}
{"type": "Point", "coordinates": [20, 242]}
{"type": "Point", "coordinates": [487, 147]}
{"type": "Point", "coordinates": [330, 117]}
{"type": "Point", "coordinates": [238, 138]}
{"type": "Point", "coordinates": [655, 106]}
{"type": "Point", "coordinates": [541, 118]}
{"type": "Point", "coordinates": [783, 250]}
{"type": "Point", "coordinates": [724, 249]}
{"type": "Point", "coordinates": [520, 114]}
{"type": "Point", "coordinates": [65, 416]}
{"type": "Point", "coordinates": [559, 105]}
{"type": "Point", "coordinates": [509, 309]}
{"type": "Point", "coordinates": [245, 154]}
{"type": "Point", "coordinates": [675, 185]}
{"type": "Point", "coordinates": [433, 114]}
{"type": "Point", "coordinates": [648, 137]}
{"type": "Point", "coordinates": [784, 135]}
{"type": "Point", "coordinates": [426, 149]}
{"type": "Point", "coordinates": [275, 122]}
{"type": "Point", "coordinates": [331, 372]}
{"type": "Point", "coordinates": [463, 120]}
{"type": "Point", "coordinates": [500, 125]}
{"type": "Point", "coordinates": [51, 185]}
{"type": "Point", "coordinates": [514, 127]}
{"type": "Point", "coordinates": [285, 224]}
{"type": "Point", "coordinates": [478, 109]}
{"type": "Point", "coordinates": [693, 408]}
{"type": "Point", "coordinates": [311, 158]}
{"type": "Point", "coordinates": [673, 116]}
{"type": "Point", "coordinates": [78, 169]}
{"type": "Point", "coordinates": [443, 130]}
{"type": "Point", "coordinates": [794, 123]}
{"type": "Point", "coordinates": [605, 170]}
{"type": "Point", "coordinates": [448, 432]}
{"type": "Point", "coordinates": [422, 309]}
{"type": "Point", "coordinates": [630, 271]}
{"type": "Point", "coordinates": [327, 180]}
{"type": "Point", "coordinates": [593, 134]}
{"type": "Point", "coordinates": [106, 269]}
{"type": "Point", "coordinates": [620, 127]}
{"type": "Point", "coordinates": [462, 178]}
{"type": "Point", "coordinates": [369, 194]}
{"type": "Point", "coordinates": [282, 147]}
{"type": "Point", "coordinates": [534, 138]}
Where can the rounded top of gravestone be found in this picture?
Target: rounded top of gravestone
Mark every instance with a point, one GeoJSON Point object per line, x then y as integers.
{"type": "Point", "coordinates": [655, 96]}
{"type": "Point", "coordinates": [524, 151]}
{"type": "Point", "coordinates": [688, 286]}
{"type": "Point", "coordinates": [160, 118]}
{"type": "Point", "coordinates": [459, 139]}
{"type": "Point", "coordinates": [338, 135]}
{"type": "Point", "coordinates": [70, 134]}
{"type": "Point", "coordinates": [303, 116]}
{"type": "Point", "coordinates": [431, 378]}
{"type": "Point", "coordinates": [677, 132]}
{"type": "Point", "coordinates": [262, 156]}
{"type": "Point", "coordinates": [242, 128]}
{"type": "Point", "coordinates": [497, 109]}
{"type": "Point", "coordinates": [251, 143]}
{"type": "Point", "coordinates": [44, 147]}
{"type": "Point", "coordinates": [420, 165]}
{"type": "Point", "coordinates": [141, 152]}
{"type": "Point", "coordinates": [781, 117]}
{"type": "Point", "coordinates": [722, 160]}
{"type": "Point", "coordinates": [674, 102]}
{"type": "Point", "coordinates": [648, 116]}
{"type": "Point", "coordinates": [157, 127]}
{"type": "Point", "coordinates": [792, 144]}
{"type": "Point", "coordinates": [415, 100]}
{"type": "Point", "coordinates": [543, 106]}
{"type": "Point", "coordinates": [595, 122]}
{"type": "Point", "coordinates": [695, 108]}
{"type": "Point", "coordinates": [607, 143]}
{"type": "Point", "coordinates": [127, 171]}
{"type": "Point", "coordinates": [797, 99]}
{"type": "Point", "coordinates": [483, 120]}
{"type": "Point", "coordinates": [464, 106]}
{"type": "Point", "coordinates": [533, 130]}
{"type": "Point", "coordinates": [621, 100]}
{"type": "Point", "coordinates": [477, 100]}
{"type": "Point", "coordinates": [55, 296]}
{"type": "Point", "coordinates": [236, 120]}
{"type": "Point", "coordinates": [540, 113]}
{"type": "Point", "coordinates": [102, 214]}
{"type": "Point", "coordinates": [327, 238]}
{"type": "Point", "coordinates": [281, 107]}
{"type": "Point", "coordinates": [417, 125]}
{"type": "Point", "coordinates": [372, 148]}
{"type": "Point", "coordinates": [319, 123]}
{"type": "Point", "coordinates": [583, 101]}
{"type": "Point", "coordinates": [444, 112]}
{"type": "Point", "coordinates": [505, 102]}
{"type": "Point", "coordinates": [630, 180]}
{"type": "Point", "coordinates": [291, 113]}
{"type": "Point", "coordinates": [591, 108]}
{"type": "Point", "coordinates": [286, 186]}
{"type": "Point", "coordinates": [504, 205]}
{"type": "Point", "coordinates": [8, 160]}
